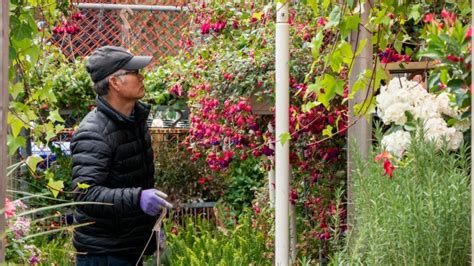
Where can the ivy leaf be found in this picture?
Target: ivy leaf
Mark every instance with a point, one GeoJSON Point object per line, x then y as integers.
{"type": "Point", "coordinates": [15, 124]}
{"type": "Point", "coordinates": [284, 138]}
{"type": "Point", "coordinates": [308, 106]}
{"type": "Point", "coordinates": [334, 17]}
{"type": "Point", "coordinates": [332, 86]}
{"type": "Point", "coordinates": [33, 161]}
{"type": "Point", "coordinates": [54, 116]}
{"type": "Point", "coordinates": [55, 186]}
{"type": "Point", "coordinates": [335, 60]}
{"type": "Point", "coordinates": [443, 77]}
{"type": "Point", "coordinates": [316, 45]}
{"type": "Point", "coordinates": [349, 24]}
{"type": "Point", "coordinates": [415, 12]}
{"type": "Point", "coordinates": [14, 143]}
{"type": "Point", "coordinates": [328, 131]}
{"type": "Point", "coordinates": [16, 89]}
{"type": "Point", "coordinates": [346, 52]}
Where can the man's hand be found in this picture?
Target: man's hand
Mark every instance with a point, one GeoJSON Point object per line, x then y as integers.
{"type": "Point", "coordinates": [151, 201]}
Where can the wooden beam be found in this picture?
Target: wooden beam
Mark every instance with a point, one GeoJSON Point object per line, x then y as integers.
{"type": "Point", "coordinates": [4, 102]}
{"type": "Point", "coordinates": [361, 131]}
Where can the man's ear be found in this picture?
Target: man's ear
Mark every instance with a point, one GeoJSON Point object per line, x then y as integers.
{"type": "Point", "coordinates": [113, 83]}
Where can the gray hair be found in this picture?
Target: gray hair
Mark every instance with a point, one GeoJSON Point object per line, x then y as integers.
{"type": "Point", "coordinates": [102, 87]}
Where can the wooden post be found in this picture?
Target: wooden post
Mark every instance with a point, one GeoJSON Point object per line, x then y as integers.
{"type": "Point", "coordinates": [361, 131]}
{"type": "Point", "coordinates": [4, 26]}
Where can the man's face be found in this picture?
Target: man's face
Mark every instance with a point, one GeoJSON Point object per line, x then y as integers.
{"type": "Point", "coordinates": [130, 84]}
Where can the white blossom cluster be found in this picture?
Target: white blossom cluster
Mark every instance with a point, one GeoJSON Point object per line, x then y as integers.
{"type": "Point", "coordinates": [402, 96]}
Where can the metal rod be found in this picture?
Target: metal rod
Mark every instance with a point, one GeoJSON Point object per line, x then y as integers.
{"type": "Point", "coordinates": [282, 158]}
{"type": "Point", "coordinates": [131, 7]}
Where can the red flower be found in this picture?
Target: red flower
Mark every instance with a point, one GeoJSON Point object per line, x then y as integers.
{"type": "Point", "coordinates": [388, 168]}
{"type": "Point", "coordinates": [450, 18]}
{"type": "Point", "coordinates": [322, 21]}
{"type": "Point", "coordinates": [454, 58]}
{"type": "Point", "coordinates": [428, 18]}
{"type": "Point", "coordinates": [205, 28]}
{"type": "Point", "coordinates": [469, 33]}
{"type": "Point", "coordinates": [202, 180]}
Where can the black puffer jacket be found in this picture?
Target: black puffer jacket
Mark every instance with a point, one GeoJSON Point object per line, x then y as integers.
{"type": "Point", "coordinates": [112, 153]}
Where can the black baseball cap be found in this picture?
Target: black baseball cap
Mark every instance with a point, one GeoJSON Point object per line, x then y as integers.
{"type": "Point", "coordinates": [108, 59]}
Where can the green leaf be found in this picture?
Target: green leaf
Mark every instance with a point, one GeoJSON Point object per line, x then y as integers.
{"type": "Point", "coordinates": [443, 77]}
{"type": "Point", "coordinates": [335, 60]}
{"type": "Point", "coordinates": [15, 124]}
{"type": "Point", "coordinates": [284, 138]}
{"type": "Point", "coordinates": [16, 89]}
{"type": "Point", "coordinates": [415, 12]}
{"type": "Point", "coordinates": [33, 161]}
{"type": "Point", "coordinates": [54, 116]}
{"type": "Point", "coordinates": [328, 131]}
{"type": "Point", "coordinates": [308, 106]}
{"type": "Point", "coordinates": [409, 126]}
{"type": "Point", "coordinates": [349, 24]}
{"type": "Point", "coordinates": [334, 17]}
{"type": "Point", "coordinates": [316, 43]}
{"type": "Point", "coordinates": [332, 86]}
{"type": "Point", "coordinates": [14, 143]}
{"type": "Point", "coordinates": [346, 52]}
{"type": "Point", "coordinates": [55, 186]}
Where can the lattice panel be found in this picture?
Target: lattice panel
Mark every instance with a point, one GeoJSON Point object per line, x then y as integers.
{"type": "Point", "coordinates": [155, 33]}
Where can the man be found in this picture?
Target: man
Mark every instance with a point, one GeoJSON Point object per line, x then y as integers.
{"type": "Point", "coordinates": [112, 165]}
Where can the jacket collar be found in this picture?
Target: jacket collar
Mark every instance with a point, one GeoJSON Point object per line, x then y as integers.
{"type": "Point", "coordinates": [140, 111]}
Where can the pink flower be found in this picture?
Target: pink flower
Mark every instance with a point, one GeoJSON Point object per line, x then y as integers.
{"type": "Point", "coordinates": [428, 18]}
{"type": "Point", "coordinates": [205, 28]}
{"type": "Point", "coordinates": [78, 16]}
{"type": "Point", "coordinates": [176, 90]}
{"type": "Point", "coordinates": [468, 33]}
{"type": "Point", "coordinates": [10, 208]}
{"type": "Point", "coordinates": [322, 21]}
{"type": "Point", "coordinates": [450, 18]}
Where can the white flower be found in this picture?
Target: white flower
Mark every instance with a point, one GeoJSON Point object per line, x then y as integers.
{"type": "Point", "coordinates": [427, 109]}
{"type": "Point", "coordinates": [397, 142]}
{"type": "Point", "coordinates": [444, 106]}
{"type": "Point", "coordinates": [455, 140]}
{"type": "Point", "coordinates": [396, 113]}
{"type": "Point", "coordinates": [437, 130]}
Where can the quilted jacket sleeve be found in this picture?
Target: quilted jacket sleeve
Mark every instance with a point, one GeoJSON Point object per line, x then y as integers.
{"type": "Point", "coordinates": [91, 159]}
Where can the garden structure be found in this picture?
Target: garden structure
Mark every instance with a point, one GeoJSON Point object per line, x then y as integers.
{"type": "Point", "coordinates": [286, 133]}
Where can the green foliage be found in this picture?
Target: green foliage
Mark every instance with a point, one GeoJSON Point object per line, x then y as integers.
{"type": "Point", "coordinates": [202, 243]}
{"type": "Point", "coordinates": [421, 216]}
{"type": "Point", "coordinates": [178, 176]}
{"type": "Point", "coordinates": [245, 177]}
{"type": "Point", "coordinates": [73, 86]}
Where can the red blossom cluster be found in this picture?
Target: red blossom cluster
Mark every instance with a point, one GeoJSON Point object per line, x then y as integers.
{"type": "Point", "coordinates": [390, 55]}
{"type": "Point", "coordinates": [70, 26]}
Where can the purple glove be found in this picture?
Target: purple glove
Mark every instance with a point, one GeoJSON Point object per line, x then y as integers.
{"type": "Point", "coordinates": [151, 203]}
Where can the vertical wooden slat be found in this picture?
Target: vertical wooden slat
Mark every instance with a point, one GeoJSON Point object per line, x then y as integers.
{"type": "Point", "coordinates": [362, 130]}
{"type": "Point", "coordinates": [4, 14]}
